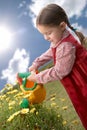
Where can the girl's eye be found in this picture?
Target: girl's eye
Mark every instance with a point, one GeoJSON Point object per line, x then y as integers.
{"type": "Point", "coordinates": [48, 33]}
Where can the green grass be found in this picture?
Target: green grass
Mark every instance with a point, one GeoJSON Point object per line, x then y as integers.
{"type": "Point", "coordinates": [36, 117]}
{"type": "Point", "coordinates": [64, 104]}
{"type": "Point", "coordinates": [56, 112]}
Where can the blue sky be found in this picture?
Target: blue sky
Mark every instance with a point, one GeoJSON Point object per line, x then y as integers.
{"type": "Point", "coordinates": [26, 43]}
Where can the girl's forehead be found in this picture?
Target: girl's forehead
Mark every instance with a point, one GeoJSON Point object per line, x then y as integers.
{"type": "Point", "coordinates": [43, 28]}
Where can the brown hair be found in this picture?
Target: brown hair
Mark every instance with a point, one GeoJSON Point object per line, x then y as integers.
{"type": "Point", "coordinates": [53, 15]}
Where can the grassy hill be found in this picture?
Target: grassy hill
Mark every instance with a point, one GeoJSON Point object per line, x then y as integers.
{"type": "Point", "coordinates": [55, 113]}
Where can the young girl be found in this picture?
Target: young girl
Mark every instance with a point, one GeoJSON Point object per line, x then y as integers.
{"type": "Point", "coordinates": [70, 58]}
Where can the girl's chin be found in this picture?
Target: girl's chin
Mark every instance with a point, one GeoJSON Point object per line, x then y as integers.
{"type": "Point", "coordinates": [55, 42]}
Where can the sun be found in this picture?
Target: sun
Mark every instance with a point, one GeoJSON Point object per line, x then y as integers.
{"type": "Point", "coordinates": [5, 38]}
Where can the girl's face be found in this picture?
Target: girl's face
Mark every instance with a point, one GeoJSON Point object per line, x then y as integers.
{"type": "Point", "coordinates": [52, 34]}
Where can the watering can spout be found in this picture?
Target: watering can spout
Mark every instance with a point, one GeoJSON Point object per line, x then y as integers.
{"type": "Point", "coordinates": [24, 75]}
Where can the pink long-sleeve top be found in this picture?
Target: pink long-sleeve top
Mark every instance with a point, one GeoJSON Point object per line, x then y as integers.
{"type": "Point", "coordinates": [65, 58]}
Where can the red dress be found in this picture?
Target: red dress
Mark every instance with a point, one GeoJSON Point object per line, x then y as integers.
{"type": "Point", "coordinates": [76, 82]}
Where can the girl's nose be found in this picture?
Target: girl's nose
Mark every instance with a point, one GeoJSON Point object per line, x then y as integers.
{"type": "Point", "coordinates": [46, 37]}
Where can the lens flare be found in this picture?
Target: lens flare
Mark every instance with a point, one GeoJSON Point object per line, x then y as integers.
{"type": "Point", "coordinates": [5, 38]}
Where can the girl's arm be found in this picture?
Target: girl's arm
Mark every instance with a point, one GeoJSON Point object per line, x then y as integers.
{"type": "Point", "coordinates": [65, 58]}
{"type": "Point", "coordinates": [39, 61]}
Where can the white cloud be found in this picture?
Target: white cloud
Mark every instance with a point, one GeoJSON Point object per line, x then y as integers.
{"type": "Point", "coordinates": [24, 13]}
{"type": "Point", "coordinates": [22, 4]}
{"type": "Point", "coordinates": [18, 63]}
{"type": "Point", "coordinates": [86, 14]}
{"type": "Point", "coordinates": [80, 28]}
{"type": "Point", "coordinates": [72, 7]}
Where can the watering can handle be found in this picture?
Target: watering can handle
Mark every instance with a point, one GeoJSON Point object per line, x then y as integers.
{"type": "Point", "coordinates": [25, 75]}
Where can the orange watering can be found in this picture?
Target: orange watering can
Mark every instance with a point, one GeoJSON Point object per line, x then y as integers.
{"type": "Point", "coordinates": [37, 92]}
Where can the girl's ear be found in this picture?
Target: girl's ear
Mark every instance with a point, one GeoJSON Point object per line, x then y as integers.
{"type": "Point", "coordinates": [63, 26]}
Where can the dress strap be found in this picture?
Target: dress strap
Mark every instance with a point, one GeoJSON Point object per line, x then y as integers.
{"type": "Point", "coordinates": [54, 55]}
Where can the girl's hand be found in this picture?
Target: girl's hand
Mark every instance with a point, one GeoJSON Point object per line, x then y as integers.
{"type": "Point", "coordinates": [32, 76]}
{"type": "Point", "coordinates": [31, 68]}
